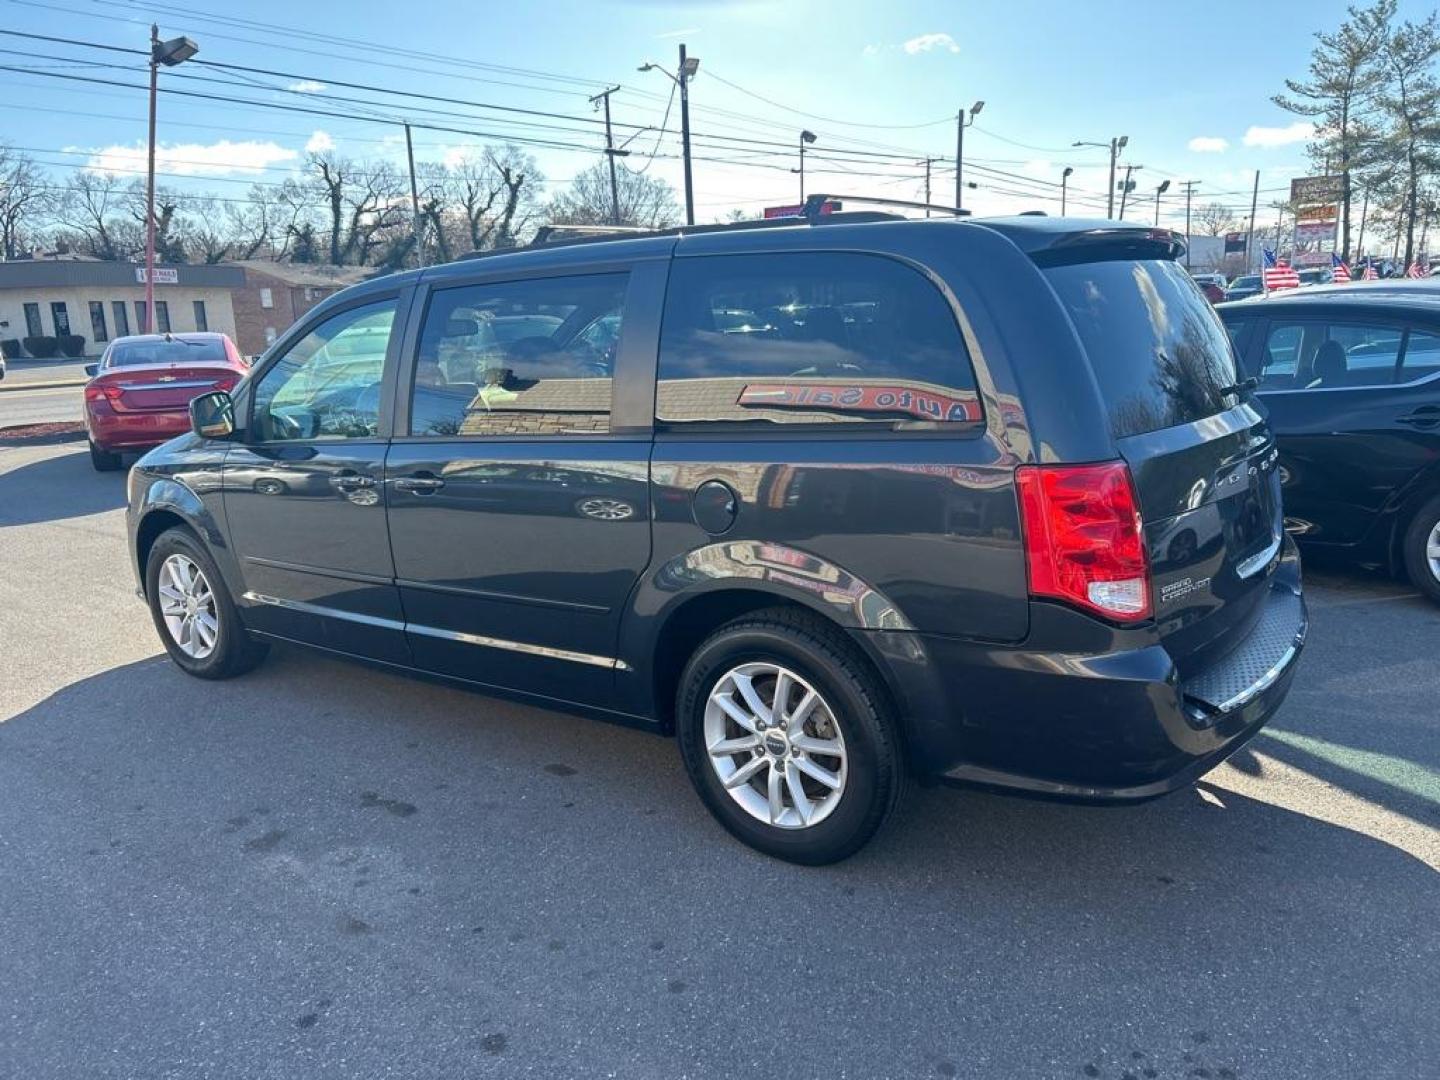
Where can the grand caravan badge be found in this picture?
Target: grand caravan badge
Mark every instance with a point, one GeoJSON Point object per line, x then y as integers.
{"type": "Point", "coordinates": [1184, 587]}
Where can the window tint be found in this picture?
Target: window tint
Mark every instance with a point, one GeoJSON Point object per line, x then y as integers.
{"type": "Point", "coordinates": [60, 317]}
{"type": "Point", "coordinates": [98, 329]}
{"type": "Point", "coordinates": [810, 338]}
{"type": "Point", "coordinates": [178, 350]}
{"type": "Point", "coordinates": [33, 325]}
{"type": "Point", "coordinates": [519, 358]}
{"type": "Point", "coordinates": [327, 385]}
{"type": "Point", "coordinates": [162, 316]}
{"type": "Point", "coordinates": [1326, 356]}
{"type": "Point", "coordinates": [1422, 356]}
{"type": "Point", "coordinates": [1159, 351]}
{"type": "Point", "coordinates": [201, 322]}
{"type": "Point", "coordinates": [122, 317]}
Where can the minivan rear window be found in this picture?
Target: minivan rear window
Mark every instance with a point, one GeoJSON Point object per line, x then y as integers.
{"type": "Point", "coordinates": [1159, 351]}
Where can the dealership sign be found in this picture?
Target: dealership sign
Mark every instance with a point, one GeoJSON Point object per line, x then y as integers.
{"type": "Point", "coordinates": [868, 398]}
{"type": "Point", "coordinates": [1309, 190]}
{"type": "Point", "coordinates": [830, 206]}
{"type": "Point", "coordinates": [164, 275]}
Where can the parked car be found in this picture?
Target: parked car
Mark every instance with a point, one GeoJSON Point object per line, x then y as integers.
{"type": "Point", "coordinates": [1351, 379]}
{"type": "Point", "coordinates": [975, 499]}
{"type": "Point", "coordinates": [1205, 277]}
{"type": "Point", "coordinates": [1316, 275]}
{"type": "Point", "coordinates": [138, 394]}
{"type": "Point", "coordinates": [1244, 287]}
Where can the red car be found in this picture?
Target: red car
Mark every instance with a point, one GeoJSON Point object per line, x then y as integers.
{"type": "Point", "coordinates": [140, 392]}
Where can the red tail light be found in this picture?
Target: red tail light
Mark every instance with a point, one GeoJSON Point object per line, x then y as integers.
{"type": "Point", "coordinates": [1083, 541]}
{"type": "Point", "coordinates": [103, 391]}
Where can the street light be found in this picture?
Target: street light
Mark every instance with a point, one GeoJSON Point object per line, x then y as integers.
{"type": "Point", "coordinates": [805, 137]}
{"type": "Point", "coordinates": [689, 65]}
{"type": "Point", "coordinates": [960, 127]}
{"type": "Point", "coordinates": [1164, 187]}
{"type": "Point", "coordinates": [1114, 146]}
{"type": "Point", "coordinates": [1064, 181]}
{"type": "Point", "coordinates": [171, 54]}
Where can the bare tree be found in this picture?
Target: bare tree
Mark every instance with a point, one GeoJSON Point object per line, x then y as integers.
{"type": "Point", "coordinates": [364, 204]}
{"type": "Point", "coordinates": [93, 208]}
{"type": "Point", "coordinates": [645, 201]}
{"type": "Point", "coordinates": [26, 197]}
{"type": "Point", "coordinates": [496, 194]}
{"type": "Point", "coordinates": [1214, 219]}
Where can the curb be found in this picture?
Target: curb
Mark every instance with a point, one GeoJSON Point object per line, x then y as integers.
{"type": "Point", "coordinates": [6, 384]}
{"type": "Point", "coordinates": [16, 435]}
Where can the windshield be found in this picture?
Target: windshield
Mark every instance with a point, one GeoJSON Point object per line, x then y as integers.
{"type": "Point", "coordinates": [174, 351]}
{"type": "Point", "coordinates": [1249, 281]}
{"type": "Point", "coordinates": [1159, 351]}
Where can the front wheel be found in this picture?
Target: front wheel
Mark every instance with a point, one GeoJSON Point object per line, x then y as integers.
{"type": "Point", "coordinates": [788, 738]}
{"type": "Point", "coordinates": [1422, 549]}
{"type": "Point", "coordinates": [193, 612]}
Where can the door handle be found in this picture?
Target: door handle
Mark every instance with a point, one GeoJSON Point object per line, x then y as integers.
{"type": "Point", "coordinates": [1425, 416]}
{"type": "Point", "coordinates": [351, 481]}
{"type": "Point", "coordinates": [419, 485]}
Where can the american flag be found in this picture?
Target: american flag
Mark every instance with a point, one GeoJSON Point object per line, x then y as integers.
{"type": "Point", "coordinates": [1414, 270]}
{"type": "Point", "coordinates": [1278, 273]}
{"type": "Point", "coordinates": [1339, 272]}
{"type": "Point", "coordinates": [1370, 274]}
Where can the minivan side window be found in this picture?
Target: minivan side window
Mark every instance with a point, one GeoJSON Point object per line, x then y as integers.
{"type": "Point", "coordinates": [1329, 355]}
{"type": "Point", "coordinates": [327, 384]}
{"type": "Point", "coordinates": [534, 357]}
{"type": "Point", "coordinates": [810, 338]}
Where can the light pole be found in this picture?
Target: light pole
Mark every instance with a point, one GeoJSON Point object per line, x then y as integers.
{"type": "Point", "coordinates": [1064, 182]}
{"type": "Point", "coordinates": [1115, 146]}
{"type": "Point", "coordinates": [170, 53]}
{"type": "Point", "coordinates": [805, 137]}
{"type": "Point", "coordinates": [689, 65]}
{"type": "Point", "coordinates": [610, 153]}
{"type": "Point", "coordinates": [960, 125]}
{"type": "Point", "coordinates": [1164, 187]}
{"type": "Point", "coordinates": [1126, 187]}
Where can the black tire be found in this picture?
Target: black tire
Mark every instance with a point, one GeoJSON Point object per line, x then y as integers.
{"type": "Point", "coordinates": [823, 657]}
{"type": "Point", "coordinates": [235, 651]}
{"type": "Point", "coordinates": [1417, 537]}
{"type": "Point", "coordinates": [103, 460]}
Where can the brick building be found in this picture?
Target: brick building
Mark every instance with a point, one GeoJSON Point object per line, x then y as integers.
{"type": "Point", "coordinates": [275, 294]}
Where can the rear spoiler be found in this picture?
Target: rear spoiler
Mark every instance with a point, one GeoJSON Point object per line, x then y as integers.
{"type": "Point", "coordinates": [1060, 242]}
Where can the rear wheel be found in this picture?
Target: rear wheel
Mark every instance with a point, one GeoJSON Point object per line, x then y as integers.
{"type": "Point", "coordinates": [788, 738]}
{"type": "Point", "coordinates": [103, 460]}
{"type": "Point", "coordinates": [193, 612]}
{"type": "Point", "coordinates": [1422, 549]}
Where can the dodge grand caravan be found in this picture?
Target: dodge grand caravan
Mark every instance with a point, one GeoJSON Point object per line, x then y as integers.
{"type": "Point", "coordinates": [834, 503]}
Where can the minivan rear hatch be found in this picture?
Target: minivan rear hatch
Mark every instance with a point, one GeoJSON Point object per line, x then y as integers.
{"type": "Point", "coordinates": [1201, 455]}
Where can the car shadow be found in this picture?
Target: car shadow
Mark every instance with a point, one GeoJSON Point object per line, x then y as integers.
{"type": "Point", "coordinates": [480, 824]}
{"type": "Point", "coordinates": [57, 487]}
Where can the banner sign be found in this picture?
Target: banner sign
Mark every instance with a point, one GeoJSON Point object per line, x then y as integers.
{"type": "Point", "coordinates": [869, 398]}
{"type": "Point", "coordinates": [1234, 243]}
{"type": "Point", "coordinates": [164, 275]}
{"type": "Point", "coordinates": [830, 206]}
{"type": "Point", "coordinates": [1317, 213]}
{"type": "Point", "coordinates": [1315, 232]}
{"type": "Point", "coordinates": [1308, 190]}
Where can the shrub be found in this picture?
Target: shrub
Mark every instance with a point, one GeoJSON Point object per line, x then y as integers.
{"type": "Point", "coordinates": [10, 348]}
{"type": "Point", "coordinates": [72, 345]}
{"type": "Point", "coordinates": [41, 347]}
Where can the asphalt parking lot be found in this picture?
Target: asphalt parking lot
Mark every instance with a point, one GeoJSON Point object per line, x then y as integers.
{"type": "Point", "coordinates": [323, 871]}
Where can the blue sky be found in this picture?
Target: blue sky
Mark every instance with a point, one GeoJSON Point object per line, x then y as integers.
{"type": "Point", "coordinates": [1189, 84]}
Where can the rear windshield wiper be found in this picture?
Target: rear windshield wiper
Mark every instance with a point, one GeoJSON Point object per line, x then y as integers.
{"type": "Point", "coordinates": [1244, 386]}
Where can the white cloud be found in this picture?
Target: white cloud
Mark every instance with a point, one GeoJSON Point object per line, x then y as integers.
{"type": "Point", "coordinates": [1299, 131]}
{"type": "Point", "coordinates": [193, 159]}
{"type": "Point", "coordinates": [929, 42]}
{"type": "Point", "coordinates": [679, 33]}
{"type": "Point", "coordinates": [319, 143]}
{"type": "Point", "coordinates": [870, 50]}
{"type": "Point", "coordinates": [460, 153]}
{"type": "Point", "coordinates": [1209, 144]}
{"type": "Point", "coordinates": [307, 86]}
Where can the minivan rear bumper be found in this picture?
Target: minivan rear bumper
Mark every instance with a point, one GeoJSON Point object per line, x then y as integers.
{"type": "Point", "coordinates": [1112, 725]}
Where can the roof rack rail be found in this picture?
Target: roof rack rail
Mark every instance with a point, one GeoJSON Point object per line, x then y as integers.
{"type": "Point", "coordinates": [814, 212]}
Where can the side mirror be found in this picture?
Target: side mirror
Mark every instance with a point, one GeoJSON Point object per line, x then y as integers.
{"type": "Point", "coordinates": [212, 415]}
{"type": "Point", "coordinates": [92, 370]}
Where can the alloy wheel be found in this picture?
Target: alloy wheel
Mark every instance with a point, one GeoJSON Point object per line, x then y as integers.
{"type": "Point", "coordinates": [187, 605]}
{"type": "Point", "coordinates": [775, 745]}
{"type": "Point", "coordinates": [1432, 551]}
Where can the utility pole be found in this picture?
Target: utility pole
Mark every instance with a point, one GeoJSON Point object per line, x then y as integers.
{"type": "Point", "coordinates": [927, 163]}
{"type": "Point", "coordinates": [685, 72]}
{"type": "Point", "coordinates": [416, 224]}
{"type": "Point", "coordinates": [1125, 188]}
{"type": "Point", "coordinates": [1254, 205]}
{"type": "Point", "coordinates": [170, 53]}
{"type": "Point", "coordinates": [1115, 145]}
{"type": "Point", "coordinates": [1189, 186]}
{"type": "Point", "coordinates": [604, 96]}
